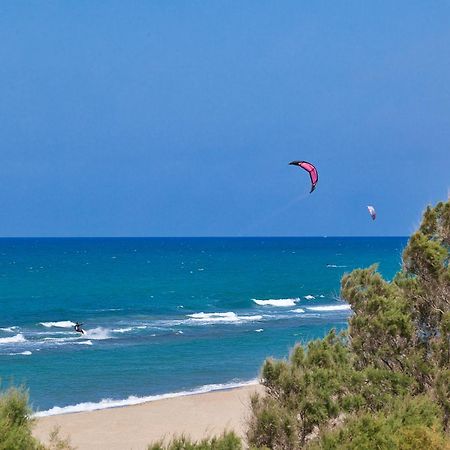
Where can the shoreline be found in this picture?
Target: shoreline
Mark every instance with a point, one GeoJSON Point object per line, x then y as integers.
{"type": "Point", "coordinates": [197, 415]}
{"type": "Point", "coordinates": [133, 400]}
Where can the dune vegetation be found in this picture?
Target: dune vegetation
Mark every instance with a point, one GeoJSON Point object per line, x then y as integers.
{"type": "Point", "coordinates": [385, 382]}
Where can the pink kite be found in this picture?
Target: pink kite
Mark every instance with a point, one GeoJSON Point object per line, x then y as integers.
{"type": "Point", "coordinates": [314, 175]}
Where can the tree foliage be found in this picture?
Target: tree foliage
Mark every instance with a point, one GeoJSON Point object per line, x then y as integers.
{"type": "Point", "coordinates": [15, 421]}
{"type": "Point", "coordinates": [386, 383]}
{"type": "Point", "coordinates": [227, 441]}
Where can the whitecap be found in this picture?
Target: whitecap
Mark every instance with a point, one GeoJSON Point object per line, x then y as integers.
{"type": "Point", "coordinates": [123, 330]}
{"type": "Point", "coordinates": [309, 297]}
{"type": "Point", "coordinates": [60, 324]}
{"type": "Point", "coordinates": [13, 339]}
{"type": "Point", "coordinates": [329, 308]}
{"type": "Point", "coordinates": [227, 317]}
{"type": "Point", "coordinates": [134, 400]}
{"type": "Point", "coordinates": [84, 343]}
{"type": "Point", "coordinates": [9, 329]}
{"type": "Point", "coordinates": [298, 310]}
{"type": "Point", "coordinates": [259, 330]}
{"type": "Point", "coordinates": [25, 353]}
{"type": "Point", "coordinates": [277, 302]}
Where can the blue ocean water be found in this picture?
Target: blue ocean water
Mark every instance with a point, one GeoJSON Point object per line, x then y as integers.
{"type": "Point", "coordinates": [166, 315]}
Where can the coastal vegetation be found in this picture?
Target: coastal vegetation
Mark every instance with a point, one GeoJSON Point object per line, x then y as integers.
{"type": "Point", "coordinates": [16, 424]}
{"type": "Point", "coordinates": [227, 441]}
{"type": "Point", "coordinates": [384, 383]}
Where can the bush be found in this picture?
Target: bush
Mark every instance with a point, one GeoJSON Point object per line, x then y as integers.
{"type": "Point", "coordinates": [409, 424]}
{"type": "Point", "coordinates": [228, 441]}
{"type": "Point", "coordinates": [16, 421]}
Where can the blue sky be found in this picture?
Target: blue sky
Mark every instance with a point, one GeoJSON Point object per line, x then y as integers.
{"type": "Point", "coordinates": [157, 118]}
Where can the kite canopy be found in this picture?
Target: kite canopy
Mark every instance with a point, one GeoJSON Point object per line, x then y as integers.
{"type": "Point", "coordinates": [372, 212]}
{"type": "Point", "coordinates": [314, 175]}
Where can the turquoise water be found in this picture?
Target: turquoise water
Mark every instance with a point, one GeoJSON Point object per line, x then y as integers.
{"type": "Point", "coordinates": [165, 315]}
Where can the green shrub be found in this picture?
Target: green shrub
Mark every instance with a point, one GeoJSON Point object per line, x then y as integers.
{"type": "Point", "coordinates": [16, 421]}
{"type": "Point", "coordinates": [227, 441]}
{"type": "Point", "coordinates": [409, 424]}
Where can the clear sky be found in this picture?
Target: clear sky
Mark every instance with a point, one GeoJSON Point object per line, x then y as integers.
{"type": "Point", "coordinates": [179, 118]}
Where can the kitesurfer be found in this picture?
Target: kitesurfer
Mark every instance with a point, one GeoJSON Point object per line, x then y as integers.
{"type": "Point", "coordinates": [78, 328]}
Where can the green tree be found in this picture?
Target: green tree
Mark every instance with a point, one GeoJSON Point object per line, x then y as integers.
{"type": "Point", "coordinates": [386, 383]}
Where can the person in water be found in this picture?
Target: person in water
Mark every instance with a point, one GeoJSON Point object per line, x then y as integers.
{"type": "Point", "coordinates": [78, 328]}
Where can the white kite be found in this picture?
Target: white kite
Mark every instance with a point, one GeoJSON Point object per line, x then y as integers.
{"type": "Point", "coordinates": [372, 212]}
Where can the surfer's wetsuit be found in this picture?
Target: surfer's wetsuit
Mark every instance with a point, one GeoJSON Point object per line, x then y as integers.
{"type": "Point", "coordinates": [78, 328]}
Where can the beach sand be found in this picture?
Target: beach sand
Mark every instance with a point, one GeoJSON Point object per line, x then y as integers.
{"type": "Point", "coordinates": [134, 427]}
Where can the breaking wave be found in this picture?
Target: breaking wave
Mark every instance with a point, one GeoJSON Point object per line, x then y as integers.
{"type": "Point", "coordinates": [13, 339]}
{"type": "Point", "coordinates": [277, 302]}
{"type": "Point", "coordinates": [330, 308]}
{"type": "Point", "coordinates": [9, 329]}
{"type": "Point", "coordinates": [60, 324]}
{"type": "Point", "coordinates": [133, 400]}
{"type": "Point", "coordinates": [227, 317]}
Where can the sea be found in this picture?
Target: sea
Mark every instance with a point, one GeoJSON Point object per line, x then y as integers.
{"type": "Point", "coordinates": [165, 317]}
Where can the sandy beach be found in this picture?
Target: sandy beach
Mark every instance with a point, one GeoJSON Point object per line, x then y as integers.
{"type": "Point", "coordinates": [134, 427]}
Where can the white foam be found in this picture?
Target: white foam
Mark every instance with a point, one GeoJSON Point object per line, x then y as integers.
{"type": "Point", "coordinates": [133, 400]}
{"type": "Point", "coordinates": [25, 353]}
{"type": "Point", "coordinates": [61, 341]}
{"type": "Point", "coordinates": [310, 297]}
{"type": "Point", "coordinates": [108, 309]}
{"type": "Point", "coordinates": [277, 302]}
{"type": "Point", "coordinates": [97, 334]}
{"type": "Point", "coordinates": [334, 266]}
{"type": "Point", "coordinates": [9, 329]}
{"type": "Point", "coordinates": [60, 324]}
{"type": "Point", "coordinates": [123, 330]}
{"type": "Point", "coordinates": [227, 317]}
{"type": "Point", "coordinates": [13, 339]}
{"type": "Point", "coordinates": [84, 343]}
{"type": "Point", "coordinates": [259, 330]}
{"type": "Point", "coordinates": [298, 310]}
{"type": "Point", "coordinates": [330, 308]}
{"type": "Point", "coordinates": [128, 329]}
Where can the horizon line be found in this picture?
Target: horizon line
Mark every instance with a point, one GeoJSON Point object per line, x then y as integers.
{"type": "Point", "coordinates": [205, 237]}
